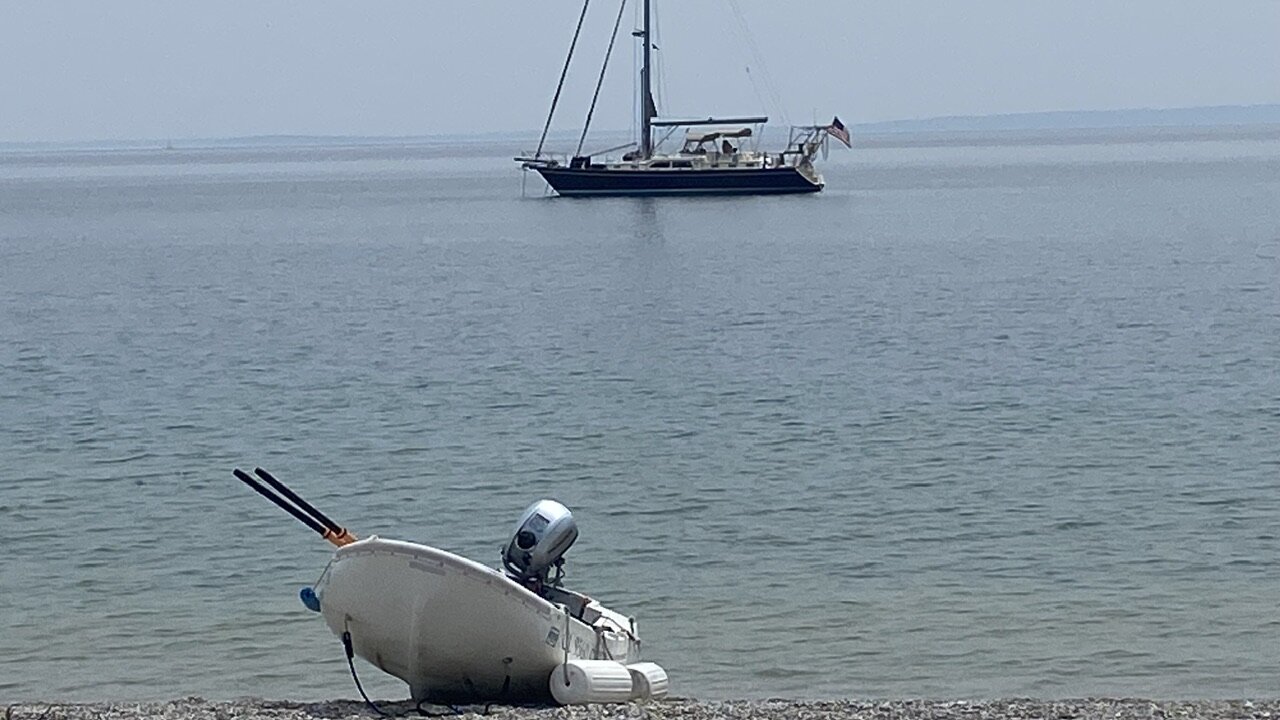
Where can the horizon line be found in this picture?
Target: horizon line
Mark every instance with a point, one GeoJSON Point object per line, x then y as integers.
{"type": "Point", "coordinates": [866, 126]}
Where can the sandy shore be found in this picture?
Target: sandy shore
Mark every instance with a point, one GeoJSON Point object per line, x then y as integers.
{"type": "Point", "coordinates": [678, 709]}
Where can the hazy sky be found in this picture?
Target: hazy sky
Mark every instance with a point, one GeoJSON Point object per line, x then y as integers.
{"type": "Point", "coordinates": [174, 69]}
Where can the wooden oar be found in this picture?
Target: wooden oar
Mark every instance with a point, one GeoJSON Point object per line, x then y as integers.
{"type": "Point", "coordinates": [304, 511]}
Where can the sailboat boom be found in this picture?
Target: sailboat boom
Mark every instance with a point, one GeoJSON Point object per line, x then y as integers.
{"type": "Point", "coordinates": [677, 122]}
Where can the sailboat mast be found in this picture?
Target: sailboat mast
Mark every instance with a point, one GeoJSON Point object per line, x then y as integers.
{"type": "Point", "coordinates": [647, 110]}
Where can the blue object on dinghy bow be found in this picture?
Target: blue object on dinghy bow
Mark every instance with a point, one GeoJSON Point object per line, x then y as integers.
{"type": "Point", "coordinates": [310, 599]}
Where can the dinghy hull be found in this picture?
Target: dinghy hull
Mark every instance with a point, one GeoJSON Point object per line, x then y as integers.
{"type": "Point", "coordinates": [456, 630]}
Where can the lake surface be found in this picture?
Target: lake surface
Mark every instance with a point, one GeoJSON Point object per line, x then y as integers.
{"type": "Point", "coordinates": [991, 416]}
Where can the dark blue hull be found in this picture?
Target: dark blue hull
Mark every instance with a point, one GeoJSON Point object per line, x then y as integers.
{"type": "Point", "coordinates": [600, 181]}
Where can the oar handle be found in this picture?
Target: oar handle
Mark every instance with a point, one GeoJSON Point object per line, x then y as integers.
{"type": "Point", "coordinates": [284, 490]}
{"type": "Point", "coordinates": [303, 511]}
{"type": "Point", "coordinates": [244, 477]}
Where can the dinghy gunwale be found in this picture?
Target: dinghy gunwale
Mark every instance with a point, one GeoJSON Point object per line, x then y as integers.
{"type": "Point", "coordinates": [374, 545]}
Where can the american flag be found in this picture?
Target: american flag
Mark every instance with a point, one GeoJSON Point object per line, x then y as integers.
{"type": "Point", "coordinates": [839, 131]}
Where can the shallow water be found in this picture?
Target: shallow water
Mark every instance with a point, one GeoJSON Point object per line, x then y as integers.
{"type": "Point", "coordinates": [982, 419]}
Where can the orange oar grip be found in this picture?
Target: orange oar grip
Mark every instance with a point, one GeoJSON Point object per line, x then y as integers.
{"type": "Point", "coordinates": [340, 538]}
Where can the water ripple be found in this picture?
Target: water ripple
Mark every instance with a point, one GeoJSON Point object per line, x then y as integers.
{"type": "Point", "coordinates": [947, 439]}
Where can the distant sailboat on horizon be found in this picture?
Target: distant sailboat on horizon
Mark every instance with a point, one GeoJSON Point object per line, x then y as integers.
{"type": "Point", "coordinates": [711, 160]}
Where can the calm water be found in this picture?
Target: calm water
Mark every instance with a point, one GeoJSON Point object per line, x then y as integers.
{"type": "Point", "coordinates": [983, 419]}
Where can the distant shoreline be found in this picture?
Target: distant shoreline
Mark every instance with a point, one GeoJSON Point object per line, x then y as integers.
{"type": "Point", "coordinates": [1063, 121]}
{"type": "Point", "coordinates": [338, 148]}
{"type": "Point", "coordinates": [681, 709]}
{"type": "Point", "coordinates": [1135, 118]}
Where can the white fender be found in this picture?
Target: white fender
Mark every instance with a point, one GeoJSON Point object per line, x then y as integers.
{"type": "Point", "coordinates": [579, 682]}
{"type": "Point", "coordinates": [648, 681]}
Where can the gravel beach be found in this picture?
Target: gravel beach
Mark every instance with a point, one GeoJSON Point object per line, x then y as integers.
{"type": "Point", "coordinates": [675, 709]}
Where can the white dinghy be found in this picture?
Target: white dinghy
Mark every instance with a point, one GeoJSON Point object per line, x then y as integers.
{"type": "Point", "coordinates": [458, 631]}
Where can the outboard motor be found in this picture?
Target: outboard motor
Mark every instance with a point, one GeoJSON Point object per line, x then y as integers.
{"type": "Point", "coordinates": [544, 533]}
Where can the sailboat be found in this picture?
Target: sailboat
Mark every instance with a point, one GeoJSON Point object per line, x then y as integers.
{"type": "Point", "coordinates": [711, 160]}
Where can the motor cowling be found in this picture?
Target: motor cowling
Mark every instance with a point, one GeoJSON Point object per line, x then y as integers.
{"type": "Point", "coordinates": [543, 535]}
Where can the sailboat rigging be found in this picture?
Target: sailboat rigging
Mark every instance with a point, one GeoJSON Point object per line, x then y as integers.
{"type": "Point", "coordinates": [711, 161]}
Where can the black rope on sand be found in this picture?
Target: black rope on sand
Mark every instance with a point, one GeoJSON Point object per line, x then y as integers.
{"type": "Point", "coordinates": [453, 710]}
{"type": "Point", "coordinates": [350, 652]}
{"type": "Point", "coordinates": [346, 644]}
